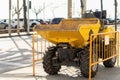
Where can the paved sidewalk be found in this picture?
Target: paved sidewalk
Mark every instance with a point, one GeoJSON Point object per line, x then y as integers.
{"type": "Point", "coordinates": [15, 34]}
{"type": "Point", "coordinates": [15, 64]}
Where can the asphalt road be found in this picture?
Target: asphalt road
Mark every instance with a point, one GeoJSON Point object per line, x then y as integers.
{"type": "Point", "coordinates": [16, 64]}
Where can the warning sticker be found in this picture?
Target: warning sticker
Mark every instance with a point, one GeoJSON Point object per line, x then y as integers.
{"type": "Point", "coordinates": [107, 40]}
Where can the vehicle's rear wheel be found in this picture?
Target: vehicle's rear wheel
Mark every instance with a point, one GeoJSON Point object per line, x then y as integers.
{"type": "Point", "coordinates": [110, 63]}
{"type": "Point", "coordinates": [48, 65]}
{"type": "Point", "coordinates": [84, 61]}
{"type": "Point", "coordinates": [110, 51]}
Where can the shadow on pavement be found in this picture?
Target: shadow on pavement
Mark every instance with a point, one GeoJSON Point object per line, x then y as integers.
{"type": "Point", "coordinates": [16, 54]}
{"type": "Point", "coordinates": [103, 74]}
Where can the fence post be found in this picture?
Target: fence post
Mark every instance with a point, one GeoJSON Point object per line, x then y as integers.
{"type": "Point", "coordinates": [90, 58]}
{"type": "Point", "coordinates": [33, 63]}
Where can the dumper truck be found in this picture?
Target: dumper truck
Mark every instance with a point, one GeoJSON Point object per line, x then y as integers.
{"type": "Point", "coordinates": [72, 43]}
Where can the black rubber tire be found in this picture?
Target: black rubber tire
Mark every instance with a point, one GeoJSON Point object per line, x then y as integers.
{"type": "Point", "coordinates": [84, 61]}
{"type": "Point", "coordinates": [48, 65]}
{"type": "Point", "coordinates": [6, 27]}
{"type": "Point", "coordinates": [110, 63]}
{"type": "Point", "coordinates": [33, 24]}
{"type": "Point", "coordinates": [16, 27]}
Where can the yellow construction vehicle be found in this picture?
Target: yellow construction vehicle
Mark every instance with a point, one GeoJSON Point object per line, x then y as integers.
{"type": "Point", "coordinates": [72, 38]}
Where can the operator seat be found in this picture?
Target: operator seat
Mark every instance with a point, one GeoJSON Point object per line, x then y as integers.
{"type": "Point", "coordinates": [88, 15]}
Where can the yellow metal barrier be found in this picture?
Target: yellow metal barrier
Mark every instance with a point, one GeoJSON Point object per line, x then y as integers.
{"type": "Point", "coordinates": [103, 47]}
{"type": "Point", "coordinates": [39, 46]}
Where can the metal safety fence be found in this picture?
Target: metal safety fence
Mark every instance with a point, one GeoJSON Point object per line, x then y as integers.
{"type": "Point", "coordinates": [104, 47]}
{"type": "Point", "coordinates": [39, 46]}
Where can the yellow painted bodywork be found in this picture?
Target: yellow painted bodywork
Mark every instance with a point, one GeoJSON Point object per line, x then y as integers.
{"type": "Point", "coordinates": [108, 29]}
{"type": "Point", "coordinates": [75, 32]}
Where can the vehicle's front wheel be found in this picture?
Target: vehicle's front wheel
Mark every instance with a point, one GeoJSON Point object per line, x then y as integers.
{"type": "Point", "coordinates": [84, 61]}
{"type": "Point", "coordinates": [48, 65]}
